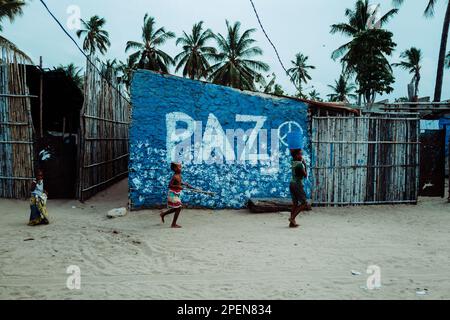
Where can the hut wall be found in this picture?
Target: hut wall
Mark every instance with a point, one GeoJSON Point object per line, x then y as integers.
{"type": "Point", "coordinates": [16, 129]}
{"type": "Point", "coordinates": [373, 159]}
{"type": "Point", "coordinates": [230, 142]}
{"type": "Point", "coordinates": [104, 143]}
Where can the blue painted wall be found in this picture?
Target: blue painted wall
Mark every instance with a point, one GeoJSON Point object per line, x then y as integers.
{"type": "Point", "coordinates": [445, 124]}
{"type": "Point", "coordinates": [176, 119]}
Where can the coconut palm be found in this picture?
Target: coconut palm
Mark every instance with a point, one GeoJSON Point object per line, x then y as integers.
{"type": "Point", "coordinates": [412, 62]}
{"type": "Point", "coordinates": [110, 69]}
{"type": "Point", "coordinates": [126, 70]}
{"type": "Point", "coordinates": [271, 87]}
{"type": "Point", "coordinates": [365, 54]}
{"type": "Point", "coordinates": [96, 38]}
{"type": "Point", "coordinates": [148, 55]}
{"type": "Point", "coordinates": [429, 12]}
{"type": "Point", "coordinates": [194, 57]}
{"type": "Point", "coordinates": [359, 20]}
{"type": "Point", "coordinates": [234, 64]}
{"type": "Point", "coordinates": [10, 9]}
{"type": "Point", "coordinates": [342, 90]}
{"type": "Point", "coordinates": [314, 96]}
{"type": "Point", "coordinates": [74, 73]}
{"type": "Point", "coordinates": [299, 72]}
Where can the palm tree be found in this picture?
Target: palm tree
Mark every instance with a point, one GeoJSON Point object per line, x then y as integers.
{"type": "Point", "coordinates": [194, 57]}
{"type": "Point", "coordinates": [234, 64]}
{"type": "Point", "coordinates": [278, 90]}
{"type": "Point", "coordinates": [110, 69]}
{"type": "Point", "coordinates": [412, 62]}
{"type": "Point", "coordinates": [126, 70]}
{"type": "Point", "coordinates": [74, 73]}
{"type": "Point", "coordinates": [429, 12]}
{"type": "Point", "coordinates": [148, 56]}
{"type": "Point", "coordinates": [95, 37]}
{"type": "Point", "coordinates": [360, 19]}
{"type": "Point", "coordinates": [10, 9]}
{"type": "Point", "coordinates": [314, 96]}
{"type": "Point", "coordinates": [299, 72]}
{"type": "Point", "coordinates": [365, 54]}
{"type": "Point", "coordinates": [342, 90]}
{"type": "Point", "coordinates": [270, 88]}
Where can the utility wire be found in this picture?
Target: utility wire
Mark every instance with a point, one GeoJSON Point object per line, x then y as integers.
{"type": "Point", "coordinates": [82, 51]}
{"type": "Point", "coordinates": [273, 46]}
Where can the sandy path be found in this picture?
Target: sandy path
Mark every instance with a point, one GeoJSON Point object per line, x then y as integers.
{"type": "Point", "coordinates": [224, 254]}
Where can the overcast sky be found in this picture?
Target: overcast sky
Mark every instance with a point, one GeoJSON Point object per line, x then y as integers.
{"type": "Point", "coordinates": [294, 26]}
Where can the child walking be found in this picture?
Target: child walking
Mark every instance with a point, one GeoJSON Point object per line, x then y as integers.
{"type": "Point", "coordinates": [296, 187]}
{"type": "Point", "coordinates": [174, 195]}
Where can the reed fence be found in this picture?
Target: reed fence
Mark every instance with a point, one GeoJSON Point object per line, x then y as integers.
{"type": "Point", "coordinates": [104, 147]}
{"type": "Point", "coordinates": [373, 159]}
{"type": "Point", "coordinates": [16, 128]}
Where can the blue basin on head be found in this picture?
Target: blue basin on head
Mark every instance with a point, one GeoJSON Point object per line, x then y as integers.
{"type": "Point", "coordinates": [295, 140]}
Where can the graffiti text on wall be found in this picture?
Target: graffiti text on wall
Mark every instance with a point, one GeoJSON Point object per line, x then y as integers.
{"type": "Point", "coordinates": [187, 142]}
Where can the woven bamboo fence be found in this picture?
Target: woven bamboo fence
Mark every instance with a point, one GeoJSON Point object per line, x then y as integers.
{"type": "Point", "coordinates": [104, 147]}
{"type": "Point", "coordinates": [16, 128]}
{"type": "Point", "coordinates": [373, 159]}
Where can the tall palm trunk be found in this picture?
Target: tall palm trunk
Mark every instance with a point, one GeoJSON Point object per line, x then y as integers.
{"type": "Point", "coordinates": [416, 83]}
{"type": "Point", "coordinates": [442, 53]}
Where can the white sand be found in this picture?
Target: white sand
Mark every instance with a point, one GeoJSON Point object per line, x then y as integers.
{"type": "Point", "coordinates": [224, 254]}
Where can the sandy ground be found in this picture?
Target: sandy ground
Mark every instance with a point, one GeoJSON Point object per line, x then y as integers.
{"type": "Point", "coordinates": [224, 254]}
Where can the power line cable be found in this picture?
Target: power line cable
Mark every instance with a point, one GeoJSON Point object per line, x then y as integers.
{"type": "Point", "coordinates": [82, 51]}
{"type": "Point", "coordinates": [273, 46]}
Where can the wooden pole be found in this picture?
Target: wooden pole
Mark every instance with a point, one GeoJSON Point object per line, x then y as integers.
{"type": "Point", "coordinates": [41, 100]}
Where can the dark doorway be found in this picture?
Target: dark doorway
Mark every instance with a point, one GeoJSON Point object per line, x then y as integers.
{"type": "Point", "coordinates": [56, 151]}
{"type": "Point", "coordinates": [432, 163]}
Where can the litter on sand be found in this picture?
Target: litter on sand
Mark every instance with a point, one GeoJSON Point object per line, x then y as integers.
{"type": "Point", "coordinates": [423, 292]}
{"type": "Point", "coordinates": [356, 273]}
{"type": "Point", "coordinates": [116, 213]}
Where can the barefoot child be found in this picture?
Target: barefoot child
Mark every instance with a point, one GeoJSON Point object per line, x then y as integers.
{"type": "Point", "coordinates": [174, 196]}
{"type": "Point", "coordinates": [299, 173]}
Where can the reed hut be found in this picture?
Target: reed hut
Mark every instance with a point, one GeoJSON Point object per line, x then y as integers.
{"type": "Point", "coordinates": [78, 137]}
{"type": "Point", "coordinates": [16, 128]}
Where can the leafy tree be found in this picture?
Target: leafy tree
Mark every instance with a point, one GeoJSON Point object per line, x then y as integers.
{"type": "Point", "coordinates": [314, 96]}
{"type": "Point", "coordinates": [148, 55]}
{"type": "Point", "coordinates": [196, 53]}
{"type": "Point", "coordinates": [109, 69]}
{"type": "Point", "coordinates": [126, 70]}
{"type": "Point", "coordinates": [270, 88]}
{"type": "Point", "coordinates": [412, 62]}
{"type": "Point", "coordinates": [95, 37]}
{"type": "Point", "coordinates": [366, 58]}
{"type": "Point", "coordinates": [342, 90]}
{"type": "Point", "coordinates": [234, 64]}
{"type": "Point", "coordinates": [10, 9]}
{"type": "Point", "coordinates": [74, 73]}
{"type": "Point", "coordinates": [365, 54]}
{"type": "Point", "coordinates": [299, 73]}
{"type": "Point", "coordinates": [278, 90]}
{"type": "Point", "coordinates": [429, 12]}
